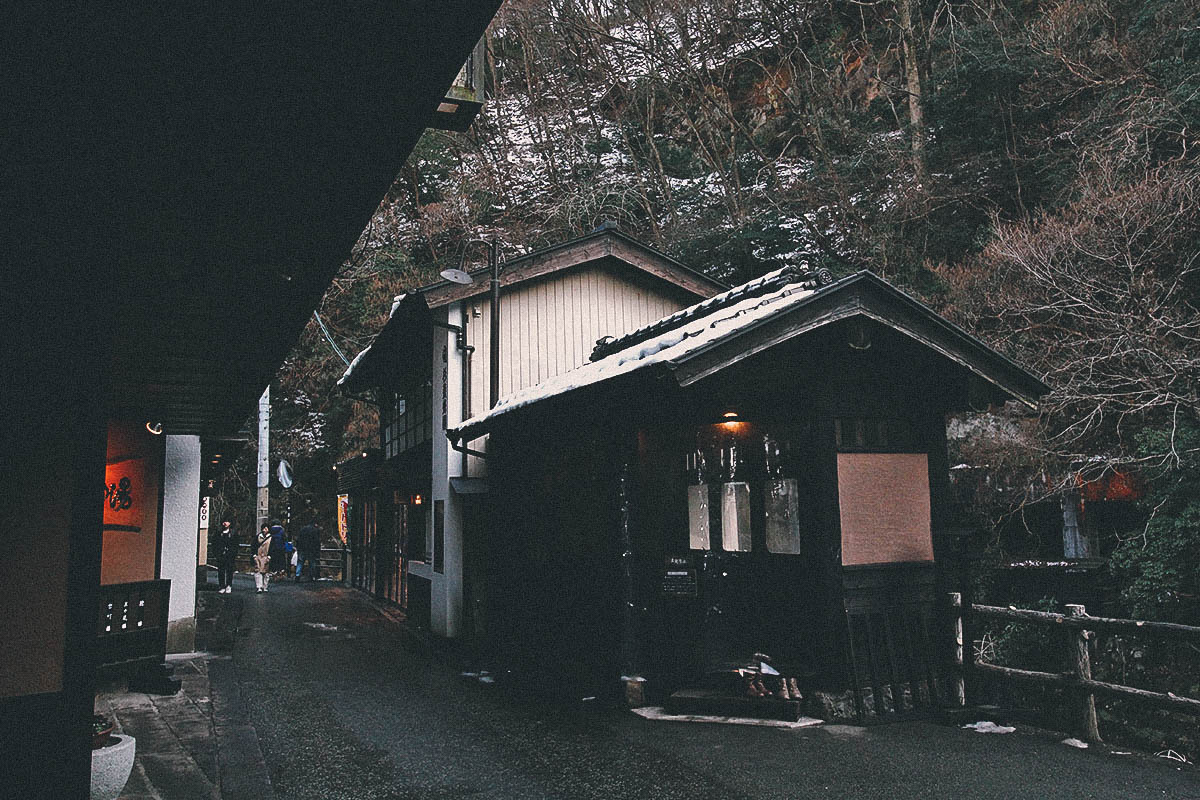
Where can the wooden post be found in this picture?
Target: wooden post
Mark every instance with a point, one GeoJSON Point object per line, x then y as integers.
{"type": "Point", "coordinates": [958, 684]}
{"type": "Point", "coordinates": [1083, 671]}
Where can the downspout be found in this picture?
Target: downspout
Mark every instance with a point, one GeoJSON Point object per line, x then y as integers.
{"type": "Point", "coordinates": [467, 352]}
{"type": "Point", "coordinates": [494, 264]}
{"type": "Point", "coordinates": [461, 343]}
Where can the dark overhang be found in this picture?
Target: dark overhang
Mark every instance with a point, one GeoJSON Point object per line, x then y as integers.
{"type": "Point", "coordinates": [187, 179]}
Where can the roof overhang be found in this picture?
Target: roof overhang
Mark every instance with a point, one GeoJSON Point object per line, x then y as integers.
{"type": "Point", "coordinates": [398, 354]}
{"type": "Point", "coordinates": [190, 179]}
{"type": "Point", "coordinates": [865, 294]}
{"type": "Point", "coordinates": [604, 244]}
{"type": "Point", "coordinates": [862, 295]}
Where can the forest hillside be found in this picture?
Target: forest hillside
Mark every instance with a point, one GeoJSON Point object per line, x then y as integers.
{"type": "Point", "coordinates": [1029, 168]}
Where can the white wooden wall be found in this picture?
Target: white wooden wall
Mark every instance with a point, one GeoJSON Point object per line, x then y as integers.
{"type": "Point", "coordinates": [550, 325]}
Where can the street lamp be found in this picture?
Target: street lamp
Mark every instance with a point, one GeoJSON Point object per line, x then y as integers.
{"type": "Point", "coordinates": [461, 276]}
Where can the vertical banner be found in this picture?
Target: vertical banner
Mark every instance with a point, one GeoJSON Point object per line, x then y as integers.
{"type": "Point", "coordinates": [343, 506]}
{"type": "Point", "coordinates": [204, 513]}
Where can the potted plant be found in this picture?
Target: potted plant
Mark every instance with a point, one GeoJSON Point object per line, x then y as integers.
{"type": "Point", "coordinates": [112, 759]}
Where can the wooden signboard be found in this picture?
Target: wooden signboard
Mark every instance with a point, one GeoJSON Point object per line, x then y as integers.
{"type": "Point", "coordinates": [125, 495]}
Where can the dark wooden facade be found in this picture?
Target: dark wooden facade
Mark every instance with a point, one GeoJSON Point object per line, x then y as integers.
{"type": "Point", "coordinates": [592, 566]}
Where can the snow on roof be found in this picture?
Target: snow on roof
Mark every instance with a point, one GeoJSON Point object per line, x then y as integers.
{"type": "Point", "coordinates": [692, 335]}
{"type": "Point", "coordinates": [757, 287]}
{"type": "Point", "coordinates": [358, 358]}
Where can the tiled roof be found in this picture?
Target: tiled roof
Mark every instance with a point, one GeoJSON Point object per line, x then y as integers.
{"type": "Point", "coordinates": [772, 280]}
{"type": "Point", "coordinates": [671, 338]}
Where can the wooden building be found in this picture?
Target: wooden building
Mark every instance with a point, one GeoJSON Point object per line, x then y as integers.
{"type": "Point", "coordinates": [417, 515]}
{"type": "Point", "coordinates": [764, 471]}
{"type": "Point", "coordinates": [181, 188]}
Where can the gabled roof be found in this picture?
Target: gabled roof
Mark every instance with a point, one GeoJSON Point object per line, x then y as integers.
{"type": "Point", "coordinates": [601, 244]}
{"type": "Point", "coordinates": [408, 320]}
{"type": "Point", "coordinates": [409, 315]}
{"type": "Point", "coordinates": [717, 333]}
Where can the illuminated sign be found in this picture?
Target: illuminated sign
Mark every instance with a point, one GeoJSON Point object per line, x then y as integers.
{"type": "Point", "coordinates": [124, 495]}
{"type": "Point", "coordinates": [343, 517]}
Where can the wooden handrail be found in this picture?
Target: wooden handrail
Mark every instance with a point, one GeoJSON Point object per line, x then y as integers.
{"type": "Point", "coordinates": [1080, 680]}
{"type": "Point", "coordinates": [1087, 622]}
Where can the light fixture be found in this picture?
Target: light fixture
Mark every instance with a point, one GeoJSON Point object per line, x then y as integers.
{"type": "Point", "coordinates": [335, 467]}
{"type": "Point", "coordinates": [417, 499]}
{"type": "Point", "coordinates": [860, 336]}
{"type": "Point", "coordinates": [364, 454]}
{"type": "Point", "coordinates": [730, 415]}
{"type": "Point", "coordinates": [457, 276]}
{"type": "Point", "coordinates": [155, 427]}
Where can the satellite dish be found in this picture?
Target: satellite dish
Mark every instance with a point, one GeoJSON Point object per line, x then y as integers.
{"type": "Point", "coordinates": [457, 276]}
{"type": "Point", "coordinates": [285, 474]}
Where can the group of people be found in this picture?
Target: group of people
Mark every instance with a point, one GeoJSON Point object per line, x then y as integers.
{"type": "Point", "coordinates": [274, 554]}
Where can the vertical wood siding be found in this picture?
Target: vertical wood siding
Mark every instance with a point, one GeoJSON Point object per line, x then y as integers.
{"type": "Point", "coordinates": [549, 326]}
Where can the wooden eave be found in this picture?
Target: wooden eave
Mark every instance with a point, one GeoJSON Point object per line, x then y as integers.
{"type": "Point", "coordinates": [864, 294]}
{"type": "Point", "coordinates": [601, 246]}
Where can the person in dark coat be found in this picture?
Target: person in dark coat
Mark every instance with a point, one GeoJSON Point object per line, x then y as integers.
{"type": "Point", "coordinates": [308, 543]}
{"type": "Point", "coordinates": [278, 553]}
{"type": "Point", "coordinates": [225, 547]}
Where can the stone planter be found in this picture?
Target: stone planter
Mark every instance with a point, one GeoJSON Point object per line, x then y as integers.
{"type": "Point", "coordinates": [111, 766]}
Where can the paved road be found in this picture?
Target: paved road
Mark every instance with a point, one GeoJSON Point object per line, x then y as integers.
{"type": "Point", "coordinates": [349, 704]}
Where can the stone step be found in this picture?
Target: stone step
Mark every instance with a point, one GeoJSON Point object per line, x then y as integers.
{"type": "Point", "coordinates": [722, 704]}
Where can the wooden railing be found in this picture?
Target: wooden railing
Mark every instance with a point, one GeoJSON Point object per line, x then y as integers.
{"type": "Point", "coordinates": [1079, 679]}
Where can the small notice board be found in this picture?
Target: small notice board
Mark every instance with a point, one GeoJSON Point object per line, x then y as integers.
{"type": "Point", "coordinates": [679, 579]}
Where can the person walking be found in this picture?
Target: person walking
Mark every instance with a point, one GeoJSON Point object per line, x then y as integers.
{"type": "Point", "coordinates": [262, 560]}
{"type": "Point", "coordinates": [225, 547]}
{"type": "Point", "coordinates": [308, 544]}
{"type": "Point", "coordinates": [278, 552]}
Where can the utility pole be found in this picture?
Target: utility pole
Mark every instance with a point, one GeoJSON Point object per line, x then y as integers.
{"type": "Point", "coordinates": [264, 458]}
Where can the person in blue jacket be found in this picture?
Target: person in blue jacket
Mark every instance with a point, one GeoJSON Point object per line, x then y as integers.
{"type": "Point", "coordinates": [278, 553]}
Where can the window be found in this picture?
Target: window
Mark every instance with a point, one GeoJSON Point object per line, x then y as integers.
{"type": "Point", "coordinates": [732, 467]}
{"type": "Point", "coordinates": [407, 421]}
{"type": "Point", "coordinates": [873, 435]}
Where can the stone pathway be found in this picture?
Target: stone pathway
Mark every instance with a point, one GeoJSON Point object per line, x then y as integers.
{"type": "Point", "coordinates": [197, 744]}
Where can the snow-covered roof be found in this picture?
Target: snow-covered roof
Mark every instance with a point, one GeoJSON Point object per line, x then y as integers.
{"type": "Point", "coordinates": [674, 340]}
{"type": "Point", "coordinates": [346, 376]}
{"type": "Point", "coordinates": [694, 334]}
{"type": "Point", "coordinates": [753, 288]}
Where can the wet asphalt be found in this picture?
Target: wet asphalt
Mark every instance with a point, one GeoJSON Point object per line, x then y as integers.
{"type": "Point", "coordinates": [348, 702]}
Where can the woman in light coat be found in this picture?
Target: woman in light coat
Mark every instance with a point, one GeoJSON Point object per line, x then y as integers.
{"type": "Point", "coordinates": [262, 559]}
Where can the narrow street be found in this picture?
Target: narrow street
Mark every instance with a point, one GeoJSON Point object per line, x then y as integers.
{"type": "Point", "coordinates": [346, 702]}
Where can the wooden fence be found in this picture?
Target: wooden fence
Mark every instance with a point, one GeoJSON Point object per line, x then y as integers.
{"type": "Point", "coordinates": [1079, 679]}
